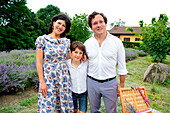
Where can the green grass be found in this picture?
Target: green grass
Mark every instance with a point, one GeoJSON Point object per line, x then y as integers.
{"type": "Point", "coordinates": [25, 106]}
{"type": "Point", "coordinates": [159, 99]}
{"type": "Point", "coordinates": [28, 102]}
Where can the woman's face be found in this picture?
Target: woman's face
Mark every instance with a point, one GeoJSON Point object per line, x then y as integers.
{"type": "Point", "coordinates": [59, 27]}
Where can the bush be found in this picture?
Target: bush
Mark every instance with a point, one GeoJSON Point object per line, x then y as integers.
{"type": "Point", "coordinates": [131, 44]}
{"type": "Point", "coordinates": [17, 72]}
{"type": "Point", "coordinates": [133, 53]}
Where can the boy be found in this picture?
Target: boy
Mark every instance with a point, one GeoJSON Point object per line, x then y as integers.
{"type": "Point", "coordinates": [78, 73]}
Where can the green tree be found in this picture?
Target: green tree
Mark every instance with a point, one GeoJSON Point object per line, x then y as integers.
{"type": "Point", "coordinates": [79, 28]}
{"type": "Point", "coordinates": [119, 23]}
{"type": "Point", "coordinates": [45, 14]}
{"type": "Point", "coordinates": [155, 37]}
{"type": "Point", "coordinates": [12, 12]}
{"type": "Point", "coordinates": [17, 25]}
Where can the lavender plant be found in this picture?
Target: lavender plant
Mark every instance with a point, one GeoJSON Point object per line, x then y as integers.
{"type": "Point", "coordinates": [17, 70]}
{"type": "Point", "coordinates": [131, 53]}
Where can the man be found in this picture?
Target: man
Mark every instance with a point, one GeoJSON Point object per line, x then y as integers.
{"type": "Point", "coordinates": [104, 52]}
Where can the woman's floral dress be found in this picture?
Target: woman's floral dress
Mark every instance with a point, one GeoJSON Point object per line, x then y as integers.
{"type": "Point", "coordinates": [56, 76]}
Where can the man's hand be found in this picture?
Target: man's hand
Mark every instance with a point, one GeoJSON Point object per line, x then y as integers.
{"type": "Point", "coordinates": [118, 92]}
{"type": "Point", "coordinates": [84, 58]}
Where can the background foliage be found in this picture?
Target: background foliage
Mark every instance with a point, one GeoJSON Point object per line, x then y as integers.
{"type": "Point", "coordinates": [20, 27]}
{"type": "Point", "coordinates": [79, 28]}
{"type": "Point", "coordinates": [17, 25]}
{"type": "Point", "coordinates": [45, 15]}
{"type": "Point", "coordinates": [131, 44]}
{"type": "Point", "coordinates": [155, 37]}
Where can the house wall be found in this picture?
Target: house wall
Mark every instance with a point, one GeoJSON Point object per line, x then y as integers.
{"type": "Point", "coordinates": [132, 37]}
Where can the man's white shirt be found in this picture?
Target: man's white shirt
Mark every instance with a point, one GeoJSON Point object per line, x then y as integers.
{"type": "Point", "coordinates": [103, 60]}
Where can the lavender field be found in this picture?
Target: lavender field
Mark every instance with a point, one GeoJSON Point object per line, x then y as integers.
{"type": "Point", "coordinates": [18, 69]}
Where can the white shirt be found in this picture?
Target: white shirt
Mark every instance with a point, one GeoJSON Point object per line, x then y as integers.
{"type": "Point", "coordinates": [103, 60]}
{"type": "Point", "coordinates": [78, 77]}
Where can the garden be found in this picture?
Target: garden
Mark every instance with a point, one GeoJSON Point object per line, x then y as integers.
{"type": "Point", "coordinates": [18, 74]}
{"type": "Point", "coordinates": [19, 81]}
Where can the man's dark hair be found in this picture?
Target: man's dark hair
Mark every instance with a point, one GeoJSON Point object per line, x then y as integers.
{"type": "Point", "coordinates": [91, 16]}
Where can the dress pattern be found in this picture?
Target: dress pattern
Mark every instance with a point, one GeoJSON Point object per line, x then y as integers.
{"type": "Point", "coordinates": [56, 76]}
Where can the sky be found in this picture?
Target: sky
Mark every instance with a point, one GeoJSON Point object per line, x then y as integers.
{"type": "Point", "coordinates": [130, 11]}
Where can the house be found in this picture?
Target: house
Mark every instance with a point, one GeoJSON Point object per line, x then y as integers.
{"type": "Point", "coordinates": [124, 35]}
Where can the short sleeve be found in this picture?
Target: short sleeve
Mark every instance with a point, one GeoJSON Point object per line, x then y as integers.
{"type": "Point", "coordinates": [39, 43]}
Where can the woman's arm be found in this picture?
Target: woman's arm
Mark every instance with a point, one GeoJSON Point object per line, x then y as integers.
{"type": "Point", "coordinates": [68, 56]}
{"type": "Point", "coordinates": [39, 61]}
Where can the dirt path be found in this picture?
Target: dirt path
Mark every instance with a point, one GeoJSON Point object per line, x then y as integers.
{"type": "Point", "coordinates": [19, 96]}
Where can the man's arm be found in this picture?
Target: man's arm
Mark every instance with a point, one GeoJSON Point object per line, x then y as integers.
{"type": "Point", "coordinates": [122, 81]}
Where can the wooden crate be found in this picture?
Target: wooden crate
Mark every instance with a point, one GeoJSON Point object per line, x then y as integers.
{"type": "Point", "coordinates": [129, 95]}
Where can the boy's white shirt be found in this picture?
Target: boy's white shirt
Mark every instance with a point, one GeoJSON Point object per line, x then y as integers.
{"type": "Point", "coordinates": [78, 77]}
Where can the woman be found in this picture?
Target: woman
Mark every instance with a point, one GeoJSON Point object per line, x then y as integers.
{"type": "Point", "coordinates": [52, 50]}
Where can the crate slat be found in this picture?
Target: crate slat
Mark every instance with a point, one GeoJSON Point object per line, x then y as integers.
{"type": "Point", "coordinates": [134, 98]}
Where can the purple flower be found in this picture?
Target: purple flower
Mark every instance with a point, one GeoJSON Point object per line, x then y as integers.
{"type": "Point", "coordinates": [16, 72]}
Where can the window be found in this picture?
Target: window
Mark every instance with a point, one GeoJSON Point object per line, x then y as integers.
{"type": "Point", "coordinates": [137, 39]}
{"type": "Point", "coordinates": [127, 39]}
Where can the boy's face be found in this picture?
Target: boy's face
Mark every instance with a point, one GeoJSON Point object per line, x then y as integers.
{"type": "Point", "coordinates": [77, 54]}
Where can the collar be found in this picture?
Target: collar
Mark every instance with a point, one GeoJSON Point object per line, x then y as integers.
{"type": "Point", "coordinates": [60, 40]}
{"type": "Point", "coordinates": [108, 34]}
{"type": "Point", "coordinates": [69, 62]}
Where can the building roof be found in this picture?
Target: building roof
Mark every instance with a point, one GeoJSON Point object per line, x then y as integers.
{"type": "Point", "coordinates": [121, 30]}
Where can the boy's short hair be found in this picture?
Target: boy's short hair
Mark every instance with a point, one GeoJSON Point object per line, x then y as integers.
{"type": "Point", "coordinates": [79, 45]}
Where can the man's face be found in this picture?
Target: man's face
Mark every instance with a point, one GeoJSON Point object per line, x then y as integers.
{"type": "Point", "coordinates": [98, 25]}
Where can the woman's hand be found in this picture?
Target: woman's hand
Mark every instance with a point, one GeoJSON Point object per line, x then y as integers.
{"type": "Point", "coordinates": [43, 89]}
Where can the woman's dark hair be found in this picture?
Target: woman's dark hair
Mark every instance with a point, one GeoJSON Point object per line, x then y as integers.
{"type": "Point", "coordinates": [79, 45]}
{"type": "Point", "coordinates": [91, 16]}
{"type": "Point", "coordinates": [60, 17]}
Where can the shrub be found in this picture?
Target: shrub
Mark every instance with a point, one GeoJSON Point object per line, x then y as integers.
{"type": "Point", "coordinates": [131, 53]}
{"type": "Point", "coordinates": [17, 72]}
{"type": "Point", "coordinates": [131, 44]}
